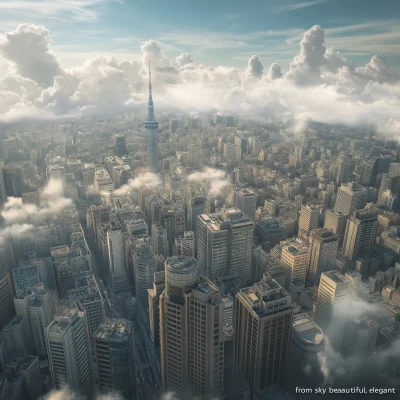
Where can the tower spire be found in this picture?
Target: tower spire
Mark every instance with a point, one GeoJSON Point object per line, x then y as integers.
{"type": "Point", "coordinates": [149, 81]}
{"type": "Point", "coordinates": [150, 103]}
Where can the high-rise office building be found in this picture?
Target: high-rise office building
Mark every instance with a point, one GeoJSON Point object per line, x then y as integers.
{"type": "Point", "coordinates": [323, 250]}
{"type": "Point", "coordinates": [342, 169]}
{"type": "Point", "coordinates": [7, 309]}
{"type": "Point", "coordinates": [309, 218]}
{"type": "Point", "coordinates": [120, 145]}
{"type": "Point", "coordinates": [224, 244]}
{"type": "Point", "coordinates": [3, 193]}
{"type": "Point", "coordinates": [336, 222]}
{"type": "Point", "coordinates": [185, 245]}
{"type": "Point", "coordinates": [360, 235]}
{"type": "Point", "coordinates": [43, 305]}
{"type": "Point", "coordinates": [90, 299]}
{"type": "Point", "coordinates": [115, 358]}
{"type": "Point", "coordinates": [194, 152]}
{"type": "Point", "coordinates": [350, 197]}
{"type": "Point", "coordinates": [144, 267]}
{"type": "Point", "coordinates": [116, 257]}
{"type": "Point", "coordinates": [191, 331]}
{"type": "Point", "coordinates": [333, 294]}
{"type": "Point", "coordinates": [151, 126]}
{"type": "Point", "coordinates": [262, 325]}
{"type": "Point", "coordinates": [361, 334]}
{"type": "Point", "coordinates": [154, 306]}
{"type": "Point", "coordinates": [159, 240]}
{"type": "Point", "coordinates": [173, 220]}
{"type": "Point", "coordinates": [173, 183]}
{"type": "Point", "coordinates": [195, 207]}
{"type": "Point", "coordinates": [295, 260]}
{"type": "Point", "coordinates": [246, 201]}
{"type": "Point", "coordinates": [68, 348]}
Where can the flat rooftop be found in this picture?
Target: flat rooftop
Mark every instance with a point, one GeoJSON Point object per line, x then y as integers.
{"type": "Point", "coordinates": [116, 330]}
{"type": "Point", "coordinates": [307, 331]}
{"type": "Point", "coordinates": [336, 276]}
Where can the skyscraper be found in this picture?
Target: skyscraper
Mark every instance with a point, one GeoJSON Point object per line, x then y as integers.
{"type": "Point", "coordinates": [195, 207]}
{"type": "Point", "coordinates": [194, 150]}
{"type": "Point", "coordinates": [322, 254]}
{"type": "Point", "coordinates": [116, 257]}
{"type": "Point", "coordinates": [246, 201]}
{"type": "Point", "coordinates": [332, 295]}
{"type": "Point", "coordinates": [191, 331]}
{"type": "Point", "coordinates": [3, 193]}
{"type": "Point", "coordinates": [115, 358]}
{"type": "Point", "coordinates": [342, 169]}
{"type": "Point", "coordinates": [151, 126]}
{"type": "Point", "coordinates": [360, 235]}
{"type": "Point", "coordinates": [69, 351]}
{"type": "Point", "coordinates": [7, 309]}
{"type": "Point", "coordinates": [159, 240]}
{"type": "Point", "coordinates": [90, 299]}
{"type": "Point", "coordinates": [144, 267]}
{"type": "Point", "coordinates": [309, 218]}
{"type": "Point", "coordinates": [43, 304]}
{"type": "Point", "coordinates": [350, 197]}
{"type": "Point", "coordinates": [262, 325]}
{"type": "Point", "coordinates": [154, 306]}
{"type": "Point", "coordinates": [295, 261]}
{"type": "Point", "coordinates": [336, 222]}
{"type": "Point", "coordinates": [224, 244]}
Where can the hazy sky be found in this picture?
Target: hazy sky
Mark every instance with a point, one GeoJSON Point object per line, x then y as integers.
{"type": "Point", "coordinates": [219, 31]}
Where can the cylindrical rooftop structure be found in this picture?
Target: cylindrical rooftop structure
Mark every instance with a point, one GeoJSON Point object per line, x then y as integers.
{"type": "Point", "coordinates": [181, 272]}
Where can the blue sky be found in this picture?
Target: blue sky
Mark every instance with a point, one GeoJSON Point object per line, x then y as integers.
{"type": "Point", "coordinates": [214, 32]}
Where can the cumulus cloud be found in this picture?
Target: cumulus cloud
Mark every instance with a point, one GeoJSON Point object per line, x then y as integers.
{"type": "Point", "coordinates": [320, 85]}
{"type": "Point", "coordinates": [184, 59]}
{"type": "Point", "coordinates": [28, 49]}
{"type": "Point", "coordinates": [148, 179]}
{"type": "Point", "coordinates": [275, 71]}
{"type": "Point", "coordinates": [217, 179]}
{"type": "Point", "coordinates": [255, 68]}
{"type": "Point", "coordinates": [305, 67]}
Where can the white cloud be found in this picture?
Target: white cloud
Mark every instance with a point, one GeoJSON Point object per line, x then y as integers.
{"type": "Point", "coordinates": [275, 71]}
{"type": "Point", "coordinates": [28, 48]}
{"type": "Point", "coordinates": [216, 178]}
{"type": "Point", "coordinates": [255, 68]}
{"type": "Point", "coordinates": [80, 10]}
{"type": "Point", "coordinates": [148, 179]}
{"type": "Point", "coordinates": [20, 217]}
{"type": "Point", "coordinates": [184, 59]}
{"type": "Point", "coordinates": [320, 84]}
{"type": "Point", "coordinates": [298, 6]}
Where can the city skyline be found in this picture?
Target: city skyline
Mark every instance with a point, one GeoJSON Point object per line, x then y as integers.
{"type": "Point", "coordinates": [318, 82]}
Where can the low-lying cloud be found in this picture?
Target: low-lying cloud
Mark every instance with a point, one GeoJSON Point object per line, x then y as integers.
{"type": "Point", "coordinates": [320, 84]}
{"type": "Point", "coordinates": [19, 217]}
{"type": "Point", "coordinates": [217, 179]}
{"type": "Point", "coordinates": [148, 179]}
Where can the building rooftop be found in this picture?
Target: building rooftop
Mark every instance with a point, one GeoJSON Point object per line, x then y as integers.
{"type": "Point", "coordinates": [336, 276]}
{"type": "Point", "coordinates": [60, 251]}
{"type": "Point", "coordinates": [306, 333]}
{"type": "Point", "coordinates": [114, 330]}
{"type": "Point", "coordinates": [180, 264]}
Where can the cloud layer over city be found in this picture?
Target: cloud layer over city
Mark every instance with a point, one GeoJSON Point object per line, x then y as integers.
{"type": "Point", "coordinates": [319, 84]}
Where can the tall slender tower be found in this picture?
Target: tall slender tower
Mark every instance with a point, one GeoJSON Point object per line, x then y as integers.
{"type": "Point", "coordinates": [151, 126]}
